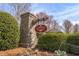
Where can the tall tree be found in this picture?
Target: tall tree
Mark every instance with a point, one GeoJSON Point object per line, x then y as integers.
{"type": "Point", "coordinates": [55, 27]}
{"type": "Point", "coordinates": [20, 8]}
{"type": "Point", "coordinates": [42, 17]}
{"type": "Point", "coordinates": [76, 28]}
{"type": "Point", "coordinates": [49, 22]}
{"type": "Point", "coordinates": [67, 26]}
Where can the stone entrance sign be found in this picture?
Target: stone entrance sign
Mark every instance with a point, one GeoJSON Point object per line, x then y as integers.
{"type": "Point", "coordinates": [41, 28]}
{"type": "Point", "coordinates": [27, 33]}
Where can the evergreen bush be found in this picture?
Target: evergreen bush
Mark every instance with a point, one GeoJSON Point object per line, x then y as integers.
{"type": "Point", "coordinates": [51, 41]}
{"type": "Point", "coordinates": [9, 31]}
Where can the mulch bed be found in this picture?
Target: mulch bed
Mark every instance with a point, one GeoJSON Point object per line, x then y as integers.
{"type": "Point", "coordinates": [25, 52]}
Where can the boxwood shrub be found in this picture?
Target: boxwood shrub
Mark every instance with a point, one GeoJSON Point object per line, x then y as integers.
{"type": "Point", "coordinates": [9, 31]}
{"type": "Point", "coordinates": [73, 43]}
{"type": "Point", "coordinates": [51, 41]}
{"type": "Point", "coordinates": [73, 39]}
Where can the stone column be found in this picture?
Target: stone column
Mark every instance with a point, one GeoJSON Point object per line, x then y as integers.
{"type": "Point", "coordinates": [24, 31]}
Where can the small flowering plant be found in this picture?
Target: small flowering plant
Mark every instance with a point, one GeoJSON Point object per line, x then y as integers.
{"type": "Point", "coordinates": [59, 52]}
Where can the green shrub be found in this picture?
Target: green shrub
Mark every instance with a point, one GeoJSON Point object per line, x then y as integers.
{"type": "Point", "coordinates": [73, 43]}
{"type": "Point", "coordinates": [9, 32]}
{"type": "Point", "coordinates": [51, 41]}
{"type": "Point", "coordinates": [73, 39]}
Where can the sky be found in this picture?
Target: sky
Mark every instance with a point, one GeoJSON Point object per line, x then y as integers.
{"type": "Point", "coordinates": [59, 11]}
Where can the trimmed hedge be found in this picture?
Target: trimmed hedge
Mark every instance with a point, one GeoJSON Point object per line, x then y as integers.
{"type": "Point", "coordinates": [51, 41]}
{"type": "Point", "coordinates": [73, 39]}
{"type": "Point", "coordinates": [9, 31]}
{"type": "Point", "coordinates": [73, 43]}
